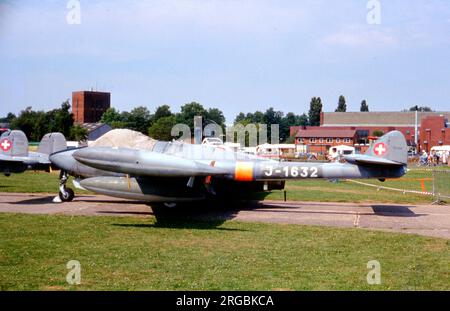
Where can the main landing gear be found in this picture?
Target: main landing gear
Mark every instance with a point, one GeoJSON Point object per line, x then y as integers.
{"type": "Point", "coordinates": [65, 194]}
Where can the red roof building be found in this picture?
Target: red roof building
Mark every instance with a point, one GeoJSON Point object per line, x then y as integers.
{"type": "Point", "coordinates": [319, 140]}
{"type": "Point", "coordinates": [433, 128]}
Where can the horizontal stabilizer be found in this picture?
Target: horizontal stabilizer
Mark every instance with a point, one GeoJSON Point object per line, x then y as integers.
{"type": "Point", "coordinates": [365, 159]}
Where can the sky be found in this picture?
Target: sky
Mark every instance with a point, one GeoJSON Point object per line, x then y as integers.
{"type": "Point", "coordinates": [234, 55]}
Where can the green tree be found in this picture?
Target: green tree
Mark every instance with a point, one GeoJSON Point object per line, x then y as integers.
{"type": "Point", "coordinates": [161, 112]}
{"type": "Point", "coordinates": [33, 123]}
{"type": "Point", "coordinates": [303, 120]}
{"type": "Point", "coordinates": [315, 108]}
{"type": "Point", "coordinates": [272, 117]}
{"type": "Point", "coordinates": [257, 117]}
{"type": "Point", "coordinates": [364, 106]}
{"type": "Point", "coordinates": [161, 128]}
{"type": "Point", "coordinates": [138, 119]}
{"type": "Point", "coordinates": [188, 112]}
{"type": "Point", "coordinates": [118, 124]}
{"type": "Point", "coordinates": [421, 109]}
{"type": "Point", "coordinates": [110, 116]}
{"type": "Point", "coordinates": [78, 133]}
{"type": "Point", "coordinates": [125, 117]}
{"type": "Point", "coordinates": [291, 119]}
{"type": "Point", "coordinates": [240, 117]}
{"type": "Point", "coordinates": [41, 126]}
{"type": "Point", "coordinates": [60, 120]}
{"type": "Point", "coordinates": [9, 118]}
{"type": "Point", "coordinates": [342, 106]}
{"type": "Point", "coordinates": [215, 115]}
{"type": "Point", "coordinates": [377, 133]}
{"type": "Point", "coordinates": [285, 126]}
{"type": "Point", "coordinates": [244, 122]}
{"type": "Point", "coordinates": [275, 117]}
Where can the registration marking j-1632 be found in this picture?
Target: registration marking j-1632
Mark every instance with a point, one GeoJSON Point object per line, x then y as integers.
{"type": "Point", "coordinates": [289, 171]}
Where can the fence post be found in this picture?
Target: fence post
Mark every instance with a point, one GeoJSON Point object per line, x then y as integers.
{"type": "Point", "coordinates": [434, 184]}
{"type": "Point", "coordinates": [441, 185]}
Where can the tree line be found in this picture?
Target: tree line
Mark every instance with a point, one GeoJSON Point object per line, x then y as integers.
{"type": "Point", "coordinates": [35, 124]}
{"type": "Point", "coordinates": [158, 125]}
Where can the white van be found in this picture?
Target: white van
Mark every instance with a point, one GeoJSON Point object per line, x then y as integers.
{"type": "Point", "coordinates": [440, 149]}
{"type": "Point", "coordinates": [339, 151]}
{"type": "Point", "coordinates": [276, 151]}
{"type": "Point", "coordinates": [214, 141]}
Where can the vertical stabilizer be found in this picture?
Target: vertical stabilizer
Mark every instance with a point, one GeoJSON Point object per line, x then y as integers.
{"type": "Point", "coordinates": [14, 143]}
{"type": "Point", "coordinates": [391, 146]}
{"type": "Point", "coordinates": [52, 142]}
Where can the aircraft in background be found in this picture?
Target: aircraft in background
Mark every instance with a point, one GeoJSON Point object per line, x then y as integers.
{"type": "Point", "coordinates": [15, 157]}
{"type": "Point", "coordinates": [172, 172]}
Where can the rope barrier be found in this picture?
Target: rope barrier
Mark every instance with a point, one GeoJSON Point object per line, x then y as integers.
{"type": "Point", "coordinates": [390, 188]}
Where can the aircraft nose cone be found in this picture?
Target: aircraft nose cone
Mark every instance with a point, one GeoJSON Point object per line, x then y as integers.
{"type": "Point", "coordinates": [62, 160]}
{"type": "Point", "coordinates": [56, 158]}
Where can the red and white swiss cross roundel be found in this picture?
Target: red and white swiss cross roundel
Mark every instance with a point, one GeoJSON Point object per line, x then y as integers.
{"type": "Point", "coordinates": [5, 144]}
{"type": "Point", "coordinates": [380, 149]}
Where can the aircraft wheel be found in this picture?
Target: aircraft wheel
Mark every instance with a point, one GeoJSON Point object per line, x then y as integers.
{"type": "Point", "coordinates": [170, 204]}
{"type": "Point", "coordinates": [68, 196]}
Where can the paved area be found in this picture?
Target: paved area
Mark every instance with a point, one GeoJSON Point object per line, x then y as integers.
{"type": "Point", "coordinates": [428, 220]}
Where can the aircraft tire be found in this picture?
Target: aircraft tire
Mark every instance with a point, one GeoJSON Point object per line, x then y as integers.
{"type": "Point", "coordinates": [68, 196]}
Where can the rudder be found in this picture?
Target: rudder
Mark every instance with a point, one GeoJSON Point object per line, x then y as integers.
{"type": "Point", "coordinates": [391, 146]}
{"type": "Point", "coordinates": [52, 142]}
{"type": "Point", "coordinates": [14, 143]}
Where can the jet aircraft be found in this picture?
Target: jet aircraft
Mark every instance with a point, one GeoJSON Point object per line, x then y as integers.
{"type": "Point", "coordinates": [15, 157]}
{"type": "Point", "coordinates": [172, 172]}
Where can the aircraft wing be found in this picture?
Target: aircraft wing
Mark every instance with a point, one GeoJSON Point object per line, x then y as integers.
{"type": "Point", "coordinates": [7, 158]}
{"type": "Point", "coordinates": [139, 162]}
{"type": "Point", "coordinates": [31, 159]}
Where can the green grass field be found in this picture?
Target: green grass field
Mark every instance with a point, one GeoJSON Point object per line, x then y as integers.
{"type": "Point", "coordinates": [345, 191]}
{"type": "Point", "coordinates": [34, 182]}
{"type": "Point", "coordinates": [136, 253]}
{"type": "Point", "coordinates": [140, 253]}
{"type": "Point", "coordinates": [301, 190]}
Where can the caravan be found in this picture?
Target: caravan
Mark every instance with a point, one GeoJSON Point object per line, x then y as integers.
{"type": "Point", "coordinates": [439, 150]}
{"type": "Point", "coordinates": [336, 152]}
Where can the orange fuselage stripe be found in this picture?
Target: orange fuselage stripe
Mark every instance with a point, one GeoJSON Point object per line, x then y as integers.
{"type": "Point", "coordinates": [243, 171]}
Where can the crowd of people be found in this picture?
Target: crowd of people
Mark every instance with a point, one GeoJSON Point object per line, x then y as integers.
{"type": "Point", "coordinates": [435, 158]}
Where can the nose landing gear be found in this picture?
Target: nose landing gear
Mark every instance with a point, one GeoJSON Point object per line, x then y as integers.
{"type": "Point", "coordinates": [65, 194]}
